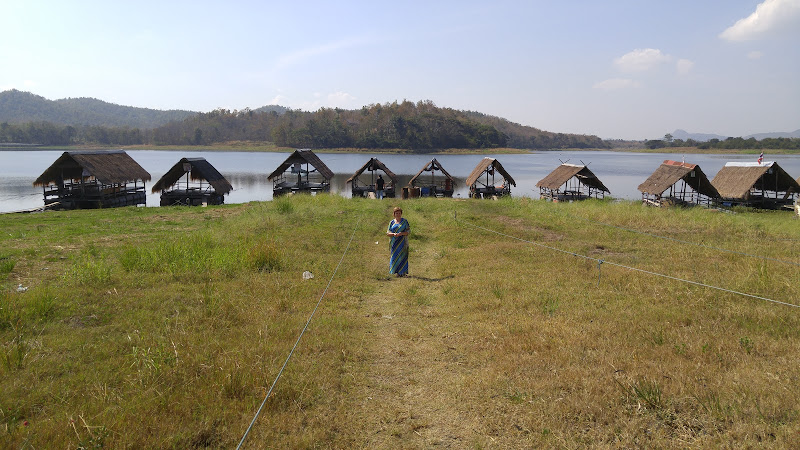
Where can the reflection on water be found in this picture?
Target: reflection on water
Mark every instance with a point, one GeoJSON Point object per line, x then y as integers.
{"type": "Point", "coordinates": [620, 172]}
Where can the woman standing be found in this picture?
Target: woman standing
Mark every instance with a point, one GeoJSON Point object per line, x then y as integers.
{"type": "Point", "coordinates": [398, 230]}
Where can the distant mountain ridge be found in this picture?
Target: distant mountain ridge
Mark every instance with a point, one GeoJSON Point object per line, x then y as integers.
{"type": "Point", "coordinates": [703, 137]}
{"type": "Point", "coordinates": [21, 107]}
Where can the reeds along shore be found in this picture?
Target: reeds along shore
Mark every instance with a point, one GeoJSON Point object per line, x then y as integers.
{"type": "Point", "coordinates": [165, 327]}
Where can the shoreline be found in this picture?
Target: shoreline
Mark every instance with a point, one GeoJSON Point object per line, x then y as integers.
{"type": "Point", "coordinates": [268, 148]}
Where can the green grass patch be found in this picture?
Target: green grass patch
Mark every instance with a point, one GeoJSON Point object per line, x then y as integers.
{"type": "Point", "coordinates": [135, 315]}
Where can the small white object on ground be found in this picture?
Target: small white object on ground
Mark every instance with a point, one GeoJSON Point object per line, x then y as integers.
{"type": "Point", "coordinates": [307, 275]}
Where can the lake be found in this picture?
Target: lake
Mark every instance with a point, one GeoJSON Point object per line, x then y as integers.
{"type": "Point", "coordinates": [247, 171]}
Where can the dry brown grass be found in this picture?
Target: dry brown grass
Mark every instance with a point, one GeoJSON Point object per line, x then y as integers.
{"type": "Point", "coordinates": [491, 343]}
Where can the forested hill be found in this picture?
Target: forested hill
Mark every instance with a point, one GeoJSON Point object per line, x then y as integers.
{"type": "Point", "coordinates": [18, 107]}
{"type": "Point", "coordinates": [420, 126]}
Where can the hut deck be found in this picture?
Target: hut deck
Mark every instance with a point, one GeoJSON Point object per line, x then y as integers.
{"type": "Point", "coordinates": [94, 195]}
{"type": "Point", "coordinates": [364, 191]}
{"type": "Point", "coordinates": [435, 191]}
{"type": "Point", "coordinates": [569, 195]}
{"type": "Point", "coordinates": [490, 191]}
{"type": "Point", "coordinates": [286, 187]}
{"type": "Point", "coordinates": [191, 197]}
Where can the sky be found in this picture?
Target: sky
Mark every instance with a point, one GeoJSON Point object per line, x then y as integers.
{"type": "Point", "coordinates": [618, 69]}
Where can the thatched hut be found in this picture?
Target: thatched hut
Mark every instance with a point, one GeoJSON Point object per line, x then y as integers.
{"type": "Point", "coordinates": [302, 171]}
{"type": "Point", "coordinates": [99, 179]}
{"type": "Point", "coordinates": [764, 185]}
{"type": "Point", "coordinates": [480, 185]}
{"type": "Point", "coordinates": [571, 182]}
{"type": "Point", "coordinates": [203, 184]}
{"type": "Point", "coordinates": [433, 186]}
{"type": "Point", "coordinates": [684, 184]}
{"type": "Point", "coordinates": [362, 187]}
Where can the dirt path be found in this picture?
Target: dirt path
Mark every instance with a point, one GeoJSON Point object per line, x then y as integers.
{"type": "Point", "coordinates": [415, 380]}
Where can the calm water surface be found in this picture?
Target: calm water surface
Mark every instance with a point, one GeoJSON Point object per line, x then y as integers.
{"type": "Point", "coordinates": [620, 172]}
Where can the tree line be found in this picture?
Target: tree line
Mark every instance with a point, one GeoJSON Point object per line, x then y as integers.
{"type": "Point", "coordinates": [420, 126]}
{"type": "Point", "coordinates": [731, 143]}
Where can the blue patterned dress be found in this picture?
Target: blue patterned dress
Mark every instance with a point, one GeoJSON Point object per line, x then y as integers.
{"type": "Point", "coordinates": [398, 261]}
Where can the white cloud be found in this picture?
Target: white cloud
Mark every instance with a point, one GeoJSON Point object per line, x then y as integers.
{"type": "Point", "coordinates": [340, 98]}
{"type": "Point", "coordinates": [303, 55]}
{"type": "Point", "coordinates": [641, 60]}
{"type": "Point", "coordinates": [755, 54]}
{"type": "Point", "coordinates": [614, 84]}
{"type": "Point", "coordinates": [278, 100]}
{"type": "Point", "coordinates": [771, 16]}
{"type": "Point", "coordinates": [684, 66]}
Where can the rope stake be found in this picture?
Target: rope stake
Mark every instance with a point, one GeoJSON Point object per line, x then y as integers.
{"type": "Point", "coordinates": [599, 272]}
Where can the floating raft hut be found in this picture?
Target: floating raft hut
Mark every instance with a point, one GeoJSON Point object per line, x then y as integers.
{"type": "Point", "coordinates": [84, 180]}
{"type": "Point", "coordinates": [480, 184]}
{"type": "Point", "coordinates": [203, 184]}
{"type": "Point", "coordinates": [302, 171]}
{"type": "Point", "coordinates": [684, 184]}
{"type": "Point", "coordinates": [571, 182]}
{"type": "Point", "coordinates": [362, 188]}
{"type": "Point", "coordinates": [433, 186]}
{"type": "Point", "coordinates": [764, 185]}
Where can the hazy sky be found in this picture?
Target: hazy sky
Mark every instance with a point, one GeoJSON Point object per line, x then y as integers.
{"type": "Point", "coordinates": [631, 69]}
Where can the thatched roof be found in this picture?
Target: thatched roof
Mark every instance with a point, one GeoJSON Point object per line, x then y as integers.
{"type": "Point", "coordinates": [374, 164]}
{"type": "Point", "coordinates": [432, 166]}
{"type": "Point", "coordinates": [484, 166]}
{"type": "Point", "coordinates": [303, 156]}
{"type": "Point", "coordinates": [199, 170]}
{"type": "Point", "coordinates": [735, 180]}
{"type": "Point", "coordinates": [108, 167]}
{"type": "Point", "coordinates": [670, 172]}
{"type": "Point", "coordinates": [564, 172]}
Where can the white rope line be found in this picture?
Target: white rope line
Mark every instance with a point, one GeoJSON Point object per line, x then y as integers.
{"type": "Point", "coordinates": [686, 242]}
{"type": "Point", "coordinates": [298, 338]}
{"type": "Point", "coordinates": [602, 261]}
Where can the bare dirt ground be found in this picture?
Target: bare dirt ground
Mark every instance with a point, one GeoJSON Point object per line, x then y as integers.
{"type": "Point", "coordinates": [412, 397]}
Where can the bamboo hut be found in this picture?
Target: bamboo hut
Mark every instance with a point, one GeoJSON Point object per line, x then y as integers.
{"type": "Point", "coordinates": [765, 185]}
{"type": "Point", "coordinates": [362, 188]}
{"type": "Point", "coordinates": [100, 179]}
{"type": "Point", "coordinates": [203, 184]}
{"type": "Point", "coordinates": [302, 171]}
{"type": "Point", "coordinates": [480, 184]}
{"type": "Point", "coordinates": [433, 186]}
{"type": "Point", "coordinates": [684, 184]}
{"type": "Point", "coordinates": [571, 182]}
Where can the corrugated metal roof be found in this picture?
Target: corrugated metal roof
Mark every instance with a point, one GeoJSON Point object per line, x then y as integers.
{"type": "Point", "coordinates": [200, 170]}
{"type": "Point", "coordinates": [108, 167]}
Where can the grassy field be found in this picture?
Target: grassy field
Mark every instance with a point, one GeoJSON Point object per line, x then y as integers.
{"type": "Point", "coordinates": [165, 327]}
